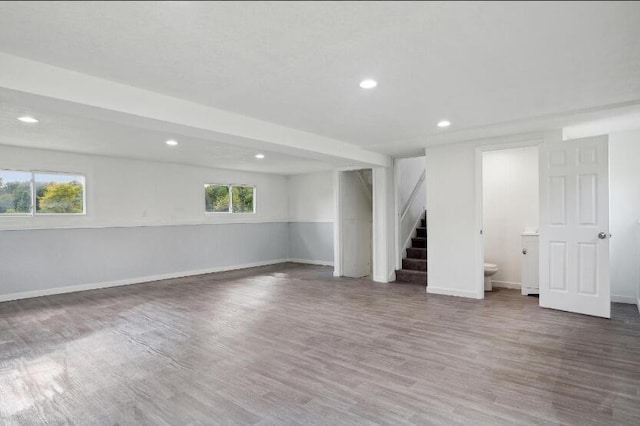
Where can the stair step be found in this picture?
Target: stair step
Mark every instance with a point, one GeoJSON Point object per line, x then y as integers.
{"type": "Point", "coordinates": [419, 242]}
{"type": "Point", "coordinates": [411, 277]}
{"type": "Point", "coordinates": [417, 253]}
{"type": "Point", "coordinates": [414, 264]}
{"type": "Point", "coordinates": [422, 231]}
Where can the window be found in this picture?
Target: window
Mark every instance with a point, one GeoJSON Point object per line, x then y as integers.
{"type": "Point", "coordinates": [22, 192]}
{"type": "Point", "coordinates": [229, 198]}
{"type": "Point", "coordinates": [15, 192]}
{"type": "Point", "coordinates": [58, 193]}
{"type": "Point", "coordinates": [216, 198]}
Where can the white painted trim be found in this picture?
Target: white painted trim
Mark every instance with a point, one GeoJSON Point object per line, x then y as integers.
{"type": "Point", "coordinates": [638, 303]}
{"type": "Point", "coordinates": [337, 227]}
{"type": "Point", "coordinates": [392, 276]}
{"type": "Point", "coordinates": [152, 224]}
{"type": "Point", "coordinates": [479, 264]}
{"type": "Point", "coordinates": [506, 284]}
{"type": "Point", "coordinates": [310, 221]}
{"type": "Point", "coordinates": [311, 262]}
{"type": "Point", "coordinates": [527, 141]}
{"type": "Point", "coordinates": [615, 298]}
{"type": "Point", "coordinates": [453, 292]}
{"type": "Point", "coordinates": [158, 224]}
{"type": "Point", "coordinates": [396, 214]}
{"type": "Point", "coordinates": [129, 281]}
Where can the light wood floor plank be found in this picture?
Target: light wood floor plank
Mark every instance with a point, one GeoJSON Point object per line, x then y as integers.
{"type": "Point", "coordinates": [290, 344]}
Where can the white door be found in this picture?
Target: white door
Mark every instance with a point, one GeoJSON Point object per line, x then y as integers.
{"type": "Point", "coordinates": [574, 226]}
{"type": "Point", "coordinates": [356, 223]}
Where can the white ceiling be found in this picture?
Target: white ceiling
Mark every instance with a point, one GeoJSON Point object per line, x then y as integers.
{"type": "Point", "coordinates": [299, 63]}
{"type": "Point", "coordinates": [63, 131]}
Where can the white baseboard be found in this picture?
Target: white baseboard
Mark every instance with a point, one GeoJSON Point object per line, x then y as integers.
{"type": "Point", "coordinates": [451, 292]}
{"type": "Point", "coordinates": [311, 262]}
{"type": "Point", "coordinates": [129, 281]}
{"type": "Point", "coordinates": [506, 284]}
{"type": "Point", "coordinates": [623, 299]}
{"type": "Point", "coordinates": [638, 304]}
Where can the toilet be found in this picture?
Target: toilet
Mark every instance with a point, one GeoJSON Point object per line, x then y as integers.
{"type": "Point", "coordinates": [489, 270]}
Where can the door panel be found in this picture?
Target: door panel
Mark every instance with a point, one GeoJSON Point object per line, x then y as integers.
{"type": "Point", "coordinates": [574, 209]}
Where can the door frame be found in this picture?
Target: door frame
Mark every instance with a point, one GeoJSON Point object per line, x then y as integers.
{"type": "Point", "coordinates": [522, 142]}
{"type": "Point", "coordinates": [338, 244]}
{"type": "Point", "coordinates": [382, 229]}
{"type": "Point", "coordinates": [339, 252]}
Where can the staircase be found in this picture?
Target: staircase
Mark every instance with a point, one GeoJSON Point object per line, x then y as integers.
{"type": "Point", "coordinates": [414, 266]}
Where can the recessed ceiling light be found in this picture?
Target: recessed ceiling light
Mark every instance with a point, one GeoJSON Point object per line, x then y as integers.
{"type": "Point", "coordinates": [368, 84]}
{"type": "Point", "coordinates": [27, 119]}
{"type": "Point", "coordinates": [260, 156]}
{"type": "Point", "coordinates": [444, 123]}
{"type": "Point", "coordinates": [171, 142]}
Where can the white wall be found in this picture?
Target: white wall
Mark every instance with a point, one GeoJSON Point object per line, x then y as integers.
{"type": "Point", "coordinates": [311, 197]}
{"type": "Point", "coordinates": [123, 192]}
{"type": "Point", "coordinates": [409, 171]}
{"type": "Point", "coordinates": [510, 207]}
{"type": "Point", "coordinates": [383, 224]}
{"type": "Point", "coordinates": [144, 221]}
{"type": "Point", "coordinates": [452, 250]}
{"type": "Point", "coordinates": [311, 217]}
{"type": "Point", "coordinates": [624, 183]}
{"type": "Point", "coordinates": [452, 202]}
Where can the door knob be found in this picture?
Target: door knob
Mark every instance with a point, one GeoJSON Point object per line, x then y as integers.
{"type": "Point", "coordinates": [602, 235]}
{"type": "Point", "coordinates": [524, 251]}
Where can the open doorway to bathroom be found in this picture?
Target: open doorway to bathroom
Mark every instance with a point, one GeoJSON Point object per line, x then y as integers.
{"type": "Point", "coordinates": [510, 209]}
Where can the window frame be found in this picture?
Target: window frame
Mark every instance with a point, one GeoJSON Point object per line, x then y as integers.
{"type": "Point", "coordinates": [34, 195]}
{"type": "Point", "coordinates": [230, 191]}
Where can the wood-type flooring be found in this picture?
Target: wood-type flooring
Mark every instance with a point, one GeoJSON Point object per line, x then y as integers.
{"type": "Point", "coordinates": [290, 344]}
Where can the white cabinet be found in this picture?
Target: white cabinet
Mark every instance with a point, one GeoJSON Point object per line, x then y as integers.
{"type": "Point", "coordinates": [530, 264]}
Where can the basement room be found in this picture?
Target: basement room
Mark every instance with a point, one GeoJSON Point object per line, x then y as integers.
{"type": "Point", "coordinates": [319, 213]}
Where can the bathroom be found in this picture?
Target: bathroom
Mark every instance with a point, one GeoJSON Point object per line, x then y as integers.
{"type": "Point", "coordinates": [510, 218]}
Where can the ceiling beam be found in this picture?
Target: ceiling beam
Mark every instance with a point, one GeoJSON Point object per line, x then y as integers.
{"type": "Point", "coordinates": [41, 79]}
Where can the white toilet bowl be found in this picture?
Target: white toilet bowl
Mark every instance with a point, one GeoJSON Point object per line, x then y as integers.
{"type": "Point", "coordinates": [489, 270]}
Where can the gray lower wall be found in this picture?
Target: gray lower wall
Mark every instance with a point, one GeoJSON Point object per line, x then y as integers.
{"type": "Point", "coordinates": [35, 260]}
{"type": "Point", "coordinates": [46, 259]}
{"type": "Point", "coordinates": [311, 241]}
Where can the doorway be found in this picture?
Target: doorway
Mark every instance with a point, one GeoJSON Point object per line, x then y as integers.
{"type": "Point", "coordinates": [356, 222]}
{"type": "Point", "coordinates": [573, 265]}
{"type": "Point", "coordinates": [510, 219]}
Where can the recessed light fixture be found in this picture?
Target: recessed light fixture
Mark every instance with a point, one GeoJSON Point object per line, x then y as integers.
{"type": "Point", "coordinates": [444, 123]}
{"type": "Point", "coordinates": [259, 156]}
{"type": "Point", "coordinates": [27, 119]}
{"type": "Point", "coordinates": [171, 142]}
{"type": "Point", "coordinates": [368, 84]}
